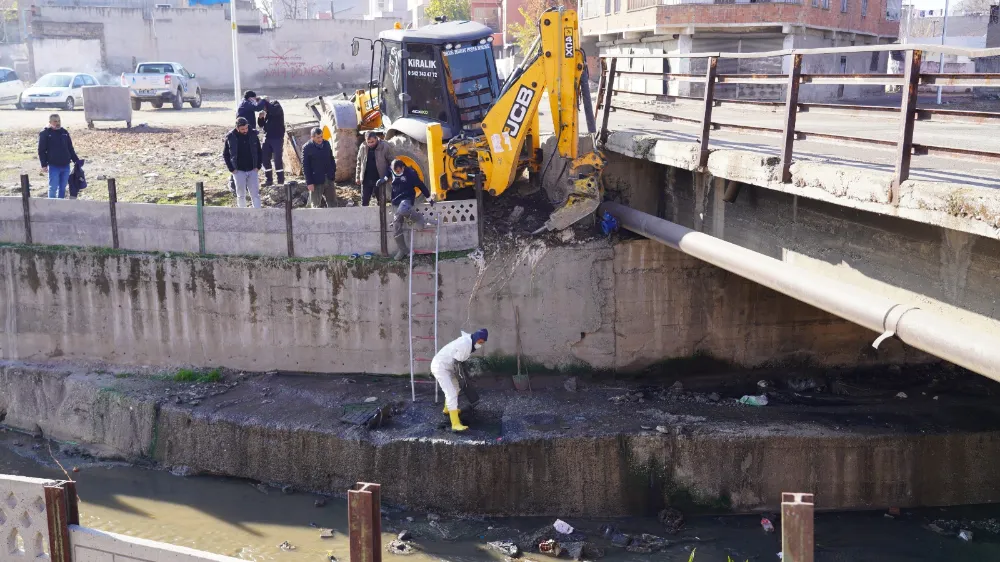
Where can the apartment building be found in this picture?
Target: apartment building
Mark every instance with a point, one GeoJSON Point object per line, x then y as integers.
{"type": "Point", "coordinates": [697, 26]}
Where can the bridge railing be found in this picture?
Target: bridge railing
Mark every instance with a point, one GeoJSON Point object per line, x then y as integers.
{"type": "Point", "coordinates": [909, 80]}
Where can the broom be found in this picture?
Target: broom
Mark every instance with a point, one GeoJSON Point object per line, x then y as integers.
{"type": "Point", "coordinates": [521, 380]}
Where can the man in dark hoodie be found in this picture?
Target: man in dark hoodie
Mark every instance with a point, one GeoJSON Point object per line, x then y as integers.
{"type": "Point", "coordinates": [55, 152]}
{"type": "Point", "coordinates": [243, 158]}
{"type": "Point", "coordinates": [319, 168]}
{"type": "Point", "coordinates": [272, 121]}
{"type": "Point", "coordinates": [405, 183]}
{"type": "Point", "coordinates": [248, 108]}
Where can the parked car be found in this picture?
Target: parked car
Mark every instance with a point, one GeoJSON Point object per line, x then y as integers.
{"type": "Point", "coordinates": [10, 87]}
{"type": "Point", "coordinates": [57, 89]}
{"type": "Point", "coordinates": [162, 82]}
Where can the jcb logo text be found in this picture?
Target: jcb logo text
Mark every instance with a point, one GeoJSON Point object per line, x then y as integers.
{"type": "Point", "coordinates": [520, 110]}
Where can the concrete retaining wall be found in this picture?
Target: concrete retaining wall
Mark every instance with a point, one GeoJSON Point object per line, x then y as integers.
{"type": "Point", "coordinates": [91, 545]}
{"type": "Point", "coordinates": [228, 230]}
{"type": "Point", "coordinates": [621, 307]}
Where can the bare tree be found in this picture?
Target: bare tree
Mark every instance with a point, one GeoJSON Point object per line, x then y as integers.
{"type": "Point", "coordinates": [974, 7]}
{"type": "Point", "coordinates": [8, 11]}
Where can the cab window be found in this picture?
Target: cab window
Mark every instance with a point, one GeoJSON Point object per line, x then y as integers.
{"type": "Point", "coordinates": [5, 75]}
{"type": "Point", "coordinates": [423, 83]}
{"type": "Point", "coordinates": [77, 82]}
{"type": "Point", "coordinates": [391, 80]}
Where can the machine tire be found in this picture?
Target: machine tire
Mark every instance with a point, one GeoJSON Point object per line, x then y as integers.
{"type": "Point", "coordinates": [178, 102]}
{"type": "Point", "coordinates": [196, 102]}
{"type": "Point", "coordinates": [156, 104]}
{"type": "Point", "coordinates": [411, 151]}
{"type": "Point", "coordinates": [343, 137]}
{"type": "Point", "coordinates": [136, 105]}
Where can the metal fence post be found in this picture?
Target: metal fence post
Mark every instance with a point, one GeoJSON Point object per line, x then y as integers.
{"type": "Point", "coordinates": [609, 89]}
{"type": "Point", "coordinates": [797, 537]}
{"type": "Point", "coordinates": [26, 200]}
{"type": "Point", "coordinates": [113, 204]}
{"type": "Point", "coordinates": [791, 112]}
{"type": "Point", "coordinates": [364, 522]}
{"type": "Point", "coordinates": [288, 220]}
{"type": "Point", "coordinates": [57, 515]}
{"type": "Point", "coordinates": [383, 219]}
{"type": "Point", "coordinates": [706, 117]}
{"type": "Point", "coordinates": [907, 114]}
{"type": "Point", "coordinates": [480, 212]}
{"type": "Point", "coordinates": [199, 192]}
{"type": "Point", "coordinates": [601, 84]}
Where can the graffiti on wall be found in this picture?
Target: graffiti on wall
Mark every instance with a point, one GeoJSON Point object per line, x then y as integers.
{"type": "Point", "coordinates": [289, 64]}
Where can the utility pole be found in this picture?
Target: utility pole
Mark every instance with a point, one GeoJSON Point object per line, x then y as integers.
{"type": "Point", "coordinates": [944, 32]}
{"type": "Point", "coordinates": [236, 54]}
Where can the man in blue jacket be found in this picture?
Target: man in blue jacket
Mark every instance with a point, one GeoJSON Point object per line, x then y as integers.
{"type": "Point", "coordinates": [405, 183]}
{"type": "Point", "coordinates": [243, 158]}
{"type": "Point", "coordinates": [55, 152]}
{"type": "Point", "coordinates": [248, 108]}
{"type": "Point", "coordinates": [319, 168]}
{"type": "Point", "coordinates": [272, 121]}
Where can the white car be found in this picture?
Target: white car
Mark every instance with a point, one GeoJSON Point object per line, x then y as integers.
{"type": "Point", "coordinates": [57, 89]}
{"type": "Point", "coordinates": [10, 87]}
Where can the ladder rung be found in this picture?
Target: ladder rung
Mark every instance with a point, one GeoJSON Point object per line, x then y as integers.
{"type": "Point", "coordinates": [421, 359]}
{"type": "Point", "coordinates": [423, 252]}
{"type": "Point", "coordinates": [424, 294]}
{"type": "Point", "coordinates": [423, 337]}
{"type": "Point", "coordinates": [421, 273]}
{"type": "Point", "coordinates": [423, 316]}
{"type": "Point", "coordinates": [424, 382]}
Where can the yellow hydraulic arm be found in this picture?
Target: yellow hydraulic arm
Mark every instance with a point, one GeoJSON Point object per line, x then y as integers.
{"type": "Point", "coordinates": [555, 65]}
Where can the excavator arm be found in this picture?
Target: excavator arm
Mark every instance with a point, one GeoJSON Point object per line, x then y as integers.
{"type": "Point", "coordinates": [554, 66]}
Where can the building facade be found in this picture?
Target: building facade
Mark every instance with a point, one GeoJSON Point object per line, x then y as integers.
{"type": "Point", "coordinates": [698, 26]}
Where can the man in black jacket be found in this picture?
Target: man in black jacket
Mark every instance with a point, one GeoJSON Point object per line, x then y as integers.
{"type": "Point", "coordinates": [55, 152]}
{"type": "Point", "coordinates": [272, 121]}
{"type": "Point", "coordinates": [248, 108]}
{"type": "Point", "coordinates": [319, 168]}
{"type": "Point", "coordinates": [243, 158]}
{"type": "Point", "coordinates": [405, 183]}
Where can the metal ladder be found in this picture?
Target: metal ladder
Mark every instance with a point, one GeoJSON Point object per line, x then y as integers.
{"type": "Point", "coordinates": [423, 296]}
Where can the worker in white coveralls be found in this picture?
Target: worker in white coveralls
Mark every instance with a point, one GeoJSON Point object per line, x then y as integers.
{"type": "Point", "coordinates": [445, 367]}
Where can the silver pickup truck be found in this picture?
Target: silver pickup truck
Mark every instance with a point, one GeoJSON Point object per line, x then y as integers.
{"type": "Point", "coordinates": [162, 82]}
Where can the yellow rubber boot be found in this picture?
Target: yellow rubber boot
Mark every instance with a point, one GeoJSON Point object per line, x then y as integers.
{"type": "Point", "coordinates": [456, 424]}
{"type": "Point", "coordinates": [445, 412]}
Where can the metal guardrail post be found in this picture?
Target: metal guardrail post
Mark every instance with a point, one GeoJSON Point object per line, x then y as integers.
{"type": "Point", "coordinates": [199, 192]}
{"type": "Point", "coordinates": [113, 204]}
{"type": "Point", "coordinates": [791, 112]}
{"type": "Point", "coordinates": [288, 220]}
{"type": "Point", "coordinates": [57, 511]}
{"type": "Point", "coordinates": [480, 212]}
{"type": "Point", "coordinates": [797, 536]}
{"type": "Point", "coordinates": [26, 200]}
{"type": "Point", "coordinates": [364, 522]}
{"type": "Point", "coordinates": [609, 88]}
{"type": "Point", "coordinates": [601, 84]}
{"type": "Point", "coordinates": [383, 219]}
{"type": "Point", "coordinates": [908, 114]}
{"type": "Point", "coordinates": [706, 117]}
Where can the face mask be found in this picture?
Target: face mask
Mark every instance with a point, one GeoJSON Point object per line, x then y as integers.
{"type": "Point", "coordinates": [478, 345]}
{"type": "Point", "coordinates": [397, 174]}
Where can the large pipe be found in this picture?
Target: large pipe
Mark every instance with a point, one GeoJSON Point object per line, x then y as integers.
{"type": "Point", "coordinates": [976, 350]}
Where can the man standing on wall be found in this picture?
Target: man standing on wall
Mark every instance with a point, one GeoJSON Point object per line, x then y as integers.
{"type": "Point", "coordinates": [55, 152]}
{"type": "Point", "coordinates": [272, 121]}
{"type": "Point", "coordinates": [373, 163]}
{"type": "Point", "coordinates": [243, 157]}
{"type": "Point", "coordinates": [319, 168]}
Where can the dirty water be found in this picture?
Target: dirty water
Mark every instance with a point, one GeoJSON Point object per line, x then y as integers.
{"type": "Point", "coordinates": [249, 520]}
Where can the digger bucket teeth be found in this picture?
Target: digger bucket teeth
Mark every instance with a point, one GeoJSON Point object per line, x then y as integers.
{"type": "Point", "coordinates": [581, 203]}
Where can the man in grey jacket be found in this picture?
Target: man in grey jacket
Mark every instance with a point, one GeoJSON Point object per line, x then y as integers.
{"type": "Point", "coordinates": [373, 164]}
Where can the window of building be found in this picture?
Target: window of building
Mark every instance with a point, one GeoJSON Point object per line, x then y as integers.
{"type": "Point", "coordinates": [815, 3]}
{"type": "Point", "coordinates": [607, 7]}
{"type": "Point", "coordinates": [843, 6]}
{"type": "Point", "coordinates": [864, 8]}
{"type": "Point", "coordinates": [826, 4]}
{"type": "Point", "coordinates": [383, 5]}
{"type": "Point", "coordinates": [618, 6]}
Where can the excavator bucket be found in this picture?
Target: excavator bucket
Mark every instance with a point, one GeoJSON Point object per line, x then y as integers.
{"type": "Point", "coordinates": [584, 195]}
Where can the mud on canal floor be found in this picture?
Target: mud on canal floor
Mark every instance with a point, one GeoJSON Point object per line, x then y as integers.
{"type": "Point", "coordinates": [247, 520]}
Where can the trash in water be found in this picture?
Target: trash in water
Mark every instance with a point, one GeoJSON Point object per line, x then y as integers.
{"type": "Point", "coordinates": [754, 400]}
{"type": "Point", "coordinates": [894, 511]}
{"type": "Point", "coordinates": [762, 384]}
{"type": "Point", "coordinates": [319, 503]}
{"type": "Point", "coordinates": [965, 535]}
{"type": "Point", "coordinates": [371, 399]}
{"type": "Point", "coordinates": [570, 384]}
{"type": "Point", "coordinates": [404, 535]}
{"type": "Point", "coordinates": [505, 547]}
{"type": "Point", "coordinates": [672, 519]}
{"type": "Point", "coordinates": [287, 546]}
{"type": "Point", "coordinates": [563, 527]}
{"type": "Point", "coordinates": [766, 524]}
{"type": "Point", "coordinates": [399, 547]}
{"type": "Point", "coordinates": [901, 395]}
{"type": "Point", "coordinates": [326, 533]}
{"type": "Point", "coordinates": [550, 547]}
{"type": "Point", "coordinates": [433, 517]}
{"type": "Point", "coordinates": [621, 540]}
{"type": "Point", "coordinates": [647, 544]}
